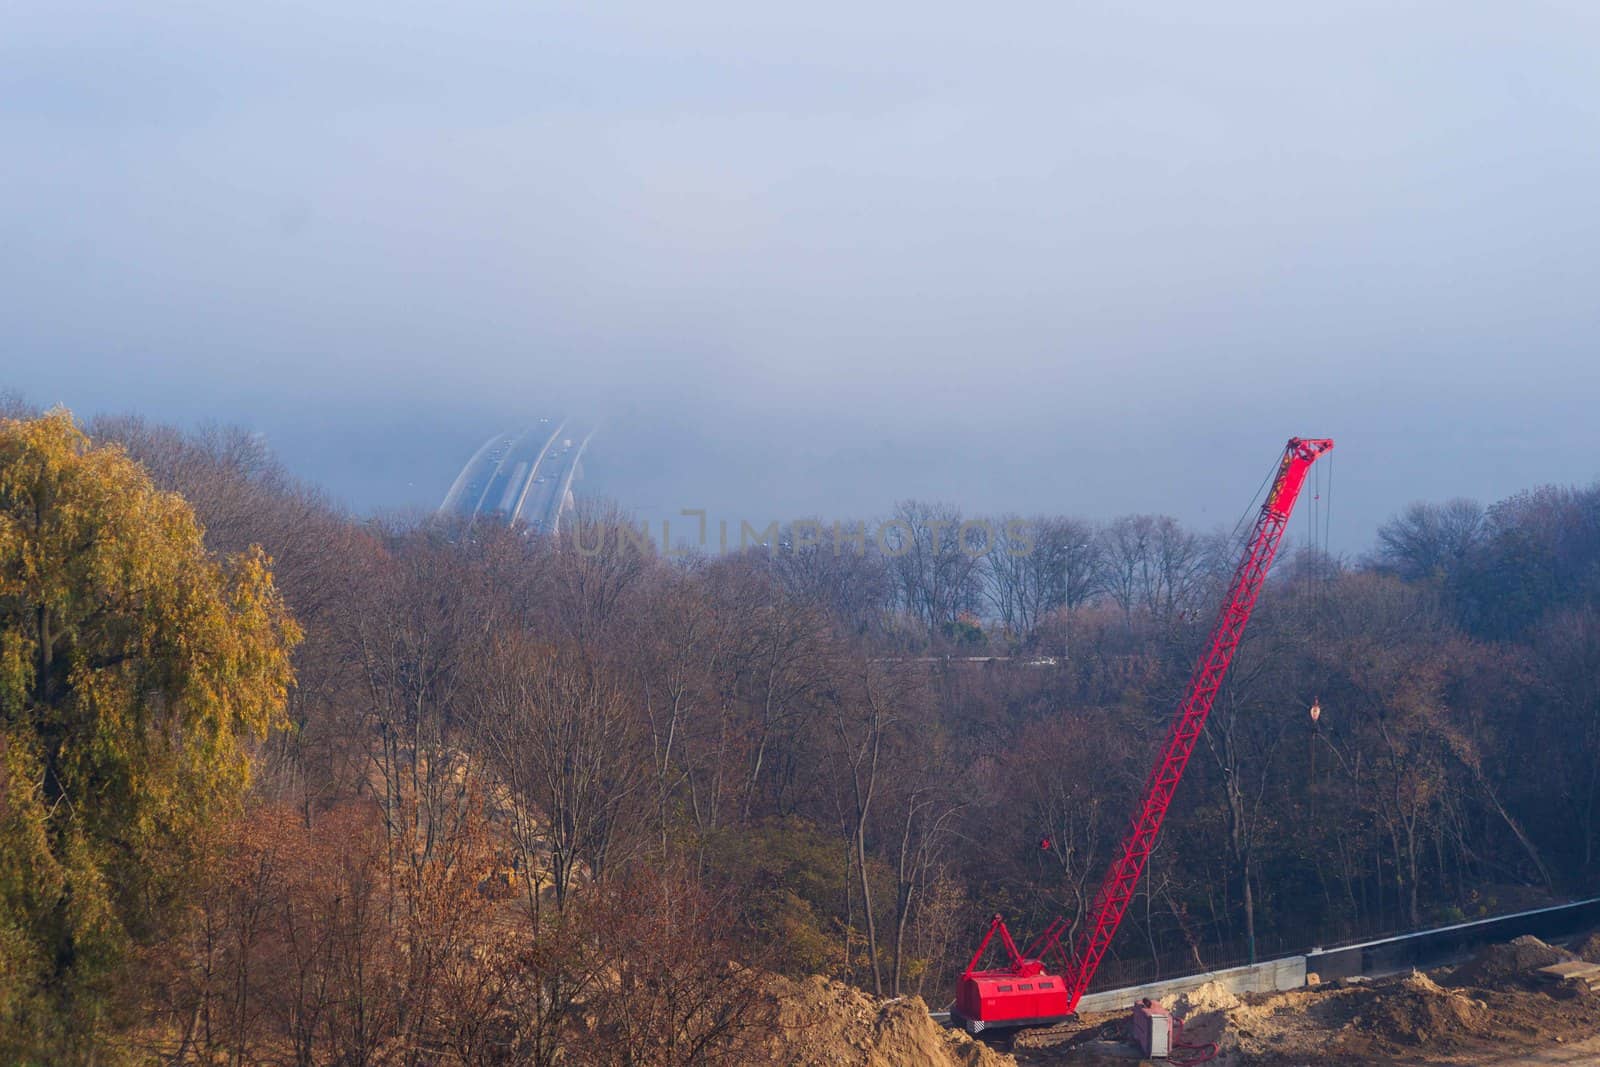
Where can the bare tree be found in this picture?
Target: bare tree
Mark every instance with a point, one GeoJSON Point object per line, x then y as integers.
{"type": "Point", "coordinates": [843, 575]}
{"type": "Point", "coordinates": [677, 1000]}
{"type": "Point", "coordinates": [935, 566]}
{"type": "Point", "coordinates": [865, 717]}
{"type": "Point", "coordinates": [1431, 540]}
{"type": "Point", "coordinates": [926, 805]}
{"type": "Point", "coordinates": [1040, 573]}
{"type": "Point", "coordinates": [563, 737]}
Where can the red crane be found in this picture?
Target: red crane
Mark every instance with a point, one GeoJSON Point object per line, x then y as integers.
{"type": "Point", "coordinates": [1025, 993]}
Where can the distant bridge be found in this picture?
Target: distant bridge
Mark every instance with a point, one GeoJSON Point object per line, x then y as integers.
{"type": "Point", "coordinates": [524, 476]}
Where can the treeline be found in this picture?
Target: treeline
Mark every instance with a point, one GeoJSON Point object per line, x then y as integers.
{"type": "Point", "coordinates": [535, 796]}
{"type": "Point", "coordinates": [930, 577]}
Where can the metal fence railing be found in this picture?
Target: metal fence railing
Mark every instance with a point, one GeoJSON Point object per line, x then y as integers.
{"type": "Point", "coordinates": [1376, 941]}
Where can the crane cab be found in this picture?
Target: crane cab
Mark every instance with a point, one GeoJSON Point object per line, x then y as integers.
{"type": "Point", "coordinates": [1023, 994]}
{"type": "Point", "coordinates": [990, 999]}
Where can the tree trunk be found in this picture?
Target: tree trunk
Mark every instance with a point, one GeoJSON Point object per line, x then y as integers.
{"type": "Point", "coordinates": [866, 905]}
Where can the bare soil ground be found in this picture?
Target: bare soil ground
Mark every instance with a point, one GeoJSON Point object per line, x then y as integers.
{"type": "Point", "coordinates": [824, 1023]}
{"type": "Point", "coordinates": [1489, 1010]}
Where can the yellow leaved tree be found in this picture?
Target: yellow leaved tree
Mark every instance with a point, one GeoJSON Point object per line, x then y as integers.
{"type": "Point", "coordinates": [134, 669]}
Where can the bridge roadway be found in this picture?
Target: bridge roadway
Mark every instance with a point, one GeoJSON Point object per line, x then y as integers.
{"type": "Point", "coordinates": [522, 476]}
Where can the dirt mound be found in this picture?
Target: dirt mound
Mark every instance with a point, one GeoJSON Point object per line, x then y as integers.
{"type": "Point", "coordinates": [1420, 982]}
{"type": "Point", "coordinates": [1359, 1022]}
{"type": "Point", "coordinates": [1497, 964]}
{"type": "Point", "coordinates": [1213, 996]}
{"type": "Point", "coordinates": [1419, 1011]}
{"type": "Point", "coordinates": [1588, 950]}
{"type": "Point", "coordinates": [823, 1023]}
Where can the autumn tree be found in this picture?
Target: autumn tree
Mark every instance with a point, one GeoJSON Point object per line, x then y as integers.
{"type": "Point", "coordinates": [676, 999]}
{"type": "Point", "coordinates": [134, 667]}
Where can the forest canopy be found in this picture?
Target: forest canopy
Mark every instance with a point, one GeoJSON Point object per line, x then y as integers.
{"type": "Point", "coordinates": [499, 797]}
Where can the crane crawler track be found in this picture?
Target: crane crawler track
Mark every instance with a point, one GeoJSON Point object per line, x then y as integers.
{"type": "Point", "coordinates": [1065, 1035]}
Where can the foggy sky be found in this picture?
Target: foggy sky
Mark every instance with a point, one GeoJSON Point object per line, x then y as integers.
{"type": "Point", "coordinates": [816, 258]}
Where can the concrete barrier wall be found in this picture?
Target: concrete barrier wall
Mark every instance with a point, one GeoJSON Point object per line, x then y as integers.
{"type": "Point", "coordinates": [1268, 977]}
{"type": "Point", "coordinates": [1427, 948]}
{"type": "Point", "coordinates": [1424, 948]}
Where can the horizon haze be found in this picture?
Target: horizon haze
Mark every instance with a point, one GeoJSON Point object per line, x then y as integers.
{"type": "Point", "coordinates": [1091, 260]}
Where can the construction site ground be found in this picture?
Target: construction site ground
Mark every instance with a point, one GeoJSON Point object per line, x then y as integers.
{"type": "Point", "coordinates": [1495, 1008]}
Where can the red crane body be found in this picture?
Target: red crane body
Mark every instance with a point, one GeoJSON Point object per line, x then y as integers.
{"type": "Point", "coordinates": [984, 998]}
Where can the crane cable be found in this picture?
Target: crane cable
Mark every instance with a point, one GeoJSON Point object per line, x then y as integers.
{"type": "Point", "coordinates": [1327, 519]}
{"type": "Point", "coordinates": [1242, 528]}
{"type": "Point", "coordinates": [1319, 535]}
{"type": "Point", "coordinates": [1313, 524]}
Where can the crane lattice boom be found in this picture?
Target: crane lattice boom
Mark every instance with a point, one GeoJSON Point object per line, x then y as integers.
{"type": "Point", "coordinates": [1116, 891]}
